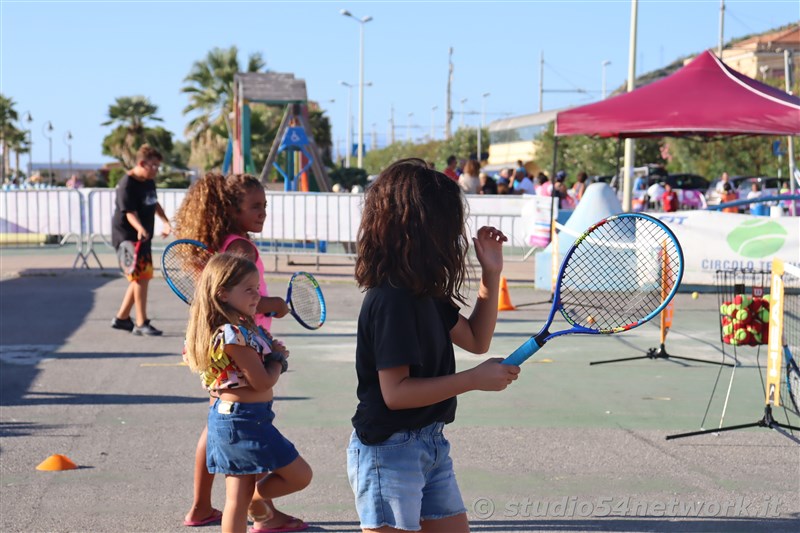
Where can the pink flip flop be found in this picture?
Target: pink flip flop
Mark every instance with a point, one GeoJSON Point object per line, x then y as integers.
{"type": "Point", "coordinates": [215, 516]}
{"type": "Point", "coordinates": [291, 525]}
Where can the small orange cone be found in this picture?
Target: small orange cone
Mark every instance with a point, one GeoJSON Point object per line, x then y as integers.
{"type": "Point", "coordinates": [504, 303]}
{"type": "Point", "coordinates": [57, 462]}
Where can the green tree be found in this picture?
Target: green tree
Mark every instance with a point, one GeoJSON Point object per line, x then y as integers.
{"type": "Point", "coordinates": [8, 131]}
{"type": "Point", "coordinates": [130, 114]}
{"type": "Point", "coordinates": [593, 156]}
{"type": "Point", "coordinates": [209, 85]}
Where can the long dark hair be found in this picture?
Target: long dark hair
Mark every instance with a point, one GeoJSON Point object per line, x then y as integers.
{"type": "Point", "coordinates": [412, 232]}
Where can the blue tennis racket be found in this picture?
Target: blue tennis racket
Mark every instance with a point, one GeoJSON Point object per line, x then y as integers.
{"type": "Point", "coordinates": [182, 263]}
{"type": "Point", "coordinates": [620, 273]}
{"type": "Point", "coordinates": [305, 300]}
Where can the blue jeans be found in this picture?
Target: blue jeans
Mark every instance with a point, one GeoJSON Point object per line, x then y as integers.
{"type": "Point", "coordinates": [405, 479]}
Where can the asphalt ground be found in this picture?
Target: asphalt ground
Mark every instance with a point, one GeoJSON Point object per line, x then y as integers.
{"type": "Point", "coordinates": [569, 447]}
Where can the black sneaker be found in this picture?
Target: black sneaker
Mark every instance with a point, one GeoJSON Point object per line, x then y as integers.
{"type": "Point", "coordinates": [122, 323]}
{"type": "Point", "coordinates": [147, 329]}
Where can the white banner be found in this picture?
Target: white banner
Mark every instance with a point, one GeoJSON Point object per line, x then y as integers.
{"type": "Point", "coordinates": [714, 241]}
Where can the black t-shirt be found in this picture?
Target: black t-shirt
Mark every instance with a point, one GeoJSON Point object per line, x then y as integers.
{"type": "Point", "coordinates": [136, 197]}
{"type": "Point", "coordinates": [395, 328]}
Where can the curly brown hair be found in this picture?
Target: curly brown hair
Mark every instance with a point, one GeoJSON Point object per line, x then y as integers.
{"type": "Point", "coordinates": [205, 212]}
{"type": "Point", "coordinates": [412, 232]}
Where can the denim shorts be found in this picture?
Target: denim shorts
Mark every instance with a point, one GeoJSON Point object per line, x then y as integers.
{"type": "Point", "coordinates": [405, 479]}
{"type": "Point", "coordinates": [242, 439]}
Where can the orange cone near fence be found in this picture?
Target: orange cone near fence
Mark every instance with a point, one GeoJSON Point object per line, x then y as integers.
{"type": "Point", "coordinates": [504, 302]}
{"type": "Point", "coordinates": [57, 462]}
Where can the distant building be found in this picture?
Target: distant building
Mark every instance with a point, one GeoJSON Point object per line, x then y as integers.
{"type": "Point", "coordinates": [513, 139]}
{"type": "Point", "coordinates": [89, 173]}
{"type": "Point", "coordinates": [761, 57]}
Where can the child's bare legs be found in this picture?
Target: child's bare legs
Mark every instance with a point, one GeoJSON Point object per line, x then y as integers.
{"type": "Point", "coordinates": [140, 300]}
{"type": "Point", "coordinates": [238, 491]}
{"type": "Point", "coordinates": [203, 483]}
{"type": "Point", "coordinates": [289, 479]}
{"type": "Point", "coordinates": [127, 302]}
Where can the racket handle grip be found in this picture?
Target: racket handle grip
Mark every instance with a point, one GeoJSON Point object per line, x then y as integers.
{"type": "Point", "coordinates": [522, 353]}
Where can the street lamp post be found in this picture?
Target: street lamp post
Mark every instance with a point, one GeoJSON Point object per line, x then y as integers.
{"type": "Point", "coordinates": [408, 127]}
{"type": "Point", "coordinates": [480, 127]}
{"type": "Point", "coordinates": [68, 141]}
{"type": "Point", "coordinates": [433, 120]}
{"type": "Point", "coordinates": [348, 143]}
{"type": "Point", "coordinates": [361, 22]}
{"type": "Point", "coordinates": [605, 64]}
{"type": "Point", "coordinates": [47, 131]}
{"type": "Point", "coordinates": [29, 120]}
{"type": "Point", "coordinates": [463, 101]}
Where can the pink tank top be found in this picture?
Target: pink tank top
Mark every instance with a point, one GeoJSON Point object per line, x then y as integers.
{"type": "Point", "coordinates": [261, 320]}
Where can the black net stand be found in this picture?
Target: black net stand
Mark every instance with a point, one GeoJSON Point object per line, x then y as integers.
{"type": "Point", "coordinates": [750, 285]}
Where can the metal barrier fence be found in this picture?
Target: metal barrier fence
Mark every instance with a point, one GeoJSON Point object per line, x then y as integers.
{"type": "Point", "coordinates": [311, 225]}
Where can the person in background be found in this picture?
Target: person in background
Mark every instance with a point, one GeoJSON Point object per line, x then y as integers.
{"type": "Point", "coordinates": [468, 180]}
{"type": "Point", "coordinates": [579, 187]}
{"type": "Point", "coordinates": [521, 183]}
{"type": "Point", "coordinates": [720, 188]}
{"type": "Point", "coordinates": [755, 192]}
{"type": "Point", "coordinates": [521, 167]}
{"type": "Point", "coordinates": [543, 187]}
{"type": "Point", "coordinates": [654, 194]}
{"type": "Point", "coordinates": [669, 200]}
{"type": "Point", "coordinates": [450, 170]}
{"type": "Point", "coordinates": [728, 195]}
{"type": "Point", "coordinates": [488, 185]}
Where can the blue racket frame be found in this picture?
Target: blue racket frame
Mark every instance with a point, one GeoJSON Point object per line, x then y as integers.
{"type": "Point", "coordinates": [318, 290]}
{"type": "Point", "coordinates": [535, 343]}
{"type": "Point", "coordinates": [164, 268]}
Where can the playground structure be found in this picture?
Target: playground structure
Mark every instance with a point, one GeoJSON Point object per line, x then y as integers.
{"type": "Point", "coordinates": [293, 139]}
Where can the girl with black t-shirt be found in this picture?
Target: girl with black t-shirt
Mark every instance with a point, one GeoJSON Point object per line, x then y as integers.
{"type": "Point", "coordinates": [412, 248]}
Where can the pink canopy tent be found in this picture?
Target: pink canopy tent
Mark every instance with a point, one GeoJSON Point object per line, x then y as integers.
{"type": "Point", "coordinates": [706, 98]}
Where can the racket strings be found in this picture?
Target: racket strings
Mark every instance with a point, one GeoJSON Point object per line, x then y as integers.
{"type": "Point", "coordinates": [183, 263]}
{"type": "Point", "coordinates": [618, 274]}
{"type": "Point", "coordinates": [305, 300]}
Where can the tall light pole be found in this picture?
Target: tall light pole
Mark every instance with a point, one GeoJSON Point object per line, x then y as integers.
{"type": "Point", "coordinates": [605, 64]}
{"type": "Point", "coordinates": [628, 158]}
{"type": "Point", "coordinates": [47, 131]}
{"type": "Point", "coordinates": [348, 143]}
{"type": "Point", "coordinates": [29, 120]}
{"type": "Point", "coordinates": [463, 101]}
{"type": "Point", "coordinates": [68, 142]}
{"type": "Point", "coordinates": [480, 127]}
{"type": "Point", "coordinates": [408, 127]}
{"type": "Point", "coordinates": [433, 120]}
{"type": "Point", "coordinates": [361, 23]}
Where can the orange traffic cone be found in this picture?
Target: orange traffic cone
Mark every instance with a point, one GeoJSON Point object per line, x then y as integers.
{"type": "Point", "coordinates": [57, 462]}
{"type": "Point", "coordinates": [504, 303]}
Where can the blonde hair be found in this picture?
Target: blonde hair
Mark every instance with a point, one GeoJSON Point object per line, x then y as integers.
{"type": "Point", "coordinates": [208, 312]}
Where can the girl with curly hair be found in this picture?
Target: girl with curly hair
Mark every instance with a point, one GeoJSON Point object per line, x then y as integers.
{"type": "Point", "coordinates": [221, 212]}
{"type": "Point", "coordinates": [412, 248]}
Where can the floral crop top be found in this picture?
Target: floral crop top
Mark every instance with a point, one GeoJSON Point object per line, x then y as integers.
{"type": "Point", "coordinates": [223, 372]}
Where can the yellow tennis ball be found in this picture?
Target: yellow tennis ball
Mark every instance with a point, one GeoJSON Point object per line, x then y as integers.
{"type": "Point", "coordinates": [695, 295]}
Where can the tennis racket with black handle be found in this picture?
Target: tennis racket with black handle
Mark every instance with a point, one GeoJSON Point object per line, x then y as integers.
{"type": "Point", "coordinates": [182, 263]}
{"type": "Point", "coordinates": [127, 255]}
{"type": "Point", "coordinates": [305, 300]}
{"type": "Point", "coordinates": [619, 273]}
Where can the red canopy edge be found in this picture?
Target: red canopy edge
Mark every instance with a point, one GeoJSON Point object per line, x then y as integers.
{"type": "Point", "coordinates": [706, 98]}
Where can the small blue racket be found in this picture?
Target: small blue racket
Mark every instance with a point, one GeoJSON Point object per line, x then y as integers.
{"type": "Point", "coordinates": [305, 300]}
{"type": "Point", "coordinates": [182, 263]}
{"type": "Point", "coordinates": [620, 273]}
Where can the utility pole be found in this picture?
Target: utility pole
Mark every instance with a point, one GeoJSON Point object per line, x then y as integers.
{"type": "Point", "coordinates": [448, 114]}
{"type": "Point", "coordinates": [721, 27]}
{"type": "Point", "coordinates": [787, 70]}
{"type": "Point", "coordinates": [541, 81]}
{"type": "Point", "coordinates": [628, 160]}
{"type": "Point", "coordinates": [391, 126]}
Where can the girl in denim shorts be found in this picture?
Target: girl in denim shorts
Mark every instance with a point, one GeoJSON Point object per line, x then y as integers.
{"type": "Point", "coordinates": [237, 364]}
{"type": "Point", "coordinates": [412, 250]}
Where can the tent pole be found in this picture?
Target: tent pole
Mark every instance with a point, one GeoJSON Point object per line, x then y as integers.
{"type": "Point", "coordinates": [552, 185]}
{"type": "Point", "coordinates": [619, 162]}
{"type": "Point", "coordinates": [787, 69]}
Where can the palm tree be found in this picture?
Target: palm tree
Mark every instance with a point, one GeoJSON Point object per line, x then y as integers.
{"type": "Point", "coordinates": [8, 115]}
{"type": "Point", "coordinates": [130, 114]}
{"type": "Point", "coordinates": [210, 89]}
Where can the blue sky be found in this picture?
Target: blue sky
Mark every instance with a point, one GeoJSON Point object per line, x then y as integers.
{"type": "Point", "coordinates": [67, 61]}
